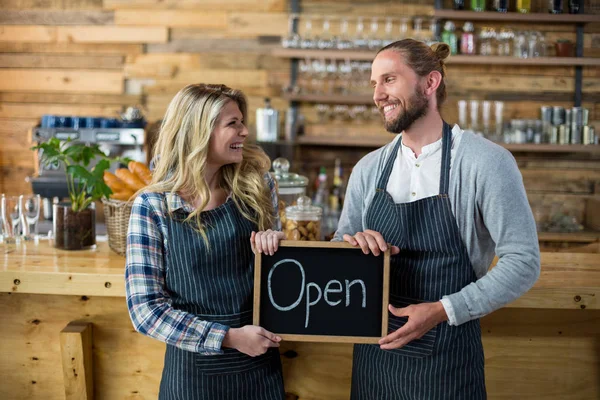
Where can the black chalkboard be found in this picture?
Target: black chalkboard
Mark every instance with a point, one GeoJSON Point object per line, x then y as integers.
{"type": "Point", "coordinates": [322, 292]}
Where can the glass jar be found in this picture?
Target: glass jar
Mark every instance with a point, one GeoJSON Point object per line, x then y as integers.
{"type": "Point", "coordinates": [290, 186]}
{"type": "Point", "coordinates": [467, 40]}
{"type": "Point", "coordinates": [303, 221]}
{"type": "Point", "coordinates": [449, 37]}
{"type": "Point", "coordinates": [524, 6]}
{"type": "Point", "coordinates": [74, 230]}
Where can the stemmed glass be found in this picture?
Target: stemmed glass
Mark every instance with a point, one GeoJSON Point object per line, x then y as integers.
{"type": "Point", "coordinates": [292, 40]}
{"type": "Point", "coordinates": [360, 40]}
{"type": "Point", "coordinates": [374, 41]}
{"type": "Point", "coordinates": [344, 42]}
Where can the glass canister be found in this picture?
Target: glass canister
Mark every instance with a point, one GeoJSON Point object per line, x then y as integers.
{"type": "Point", "coordinates": [303, 221]}
{"type": "Point", "coordinates": [290, 186]}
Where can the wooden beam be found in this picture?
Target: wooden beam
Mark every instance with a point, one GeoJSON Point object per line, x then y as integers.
{"type": "Point", "coordinates": [181, 18]}
{"type": "Point", "coordinates": [52, 4]}
{"type": "Point", "coordinates": [248, 24]}
{"type": "Point", "coordinates": [112, 34]}
{"type": "Point", "coordinates": [34, 110]}
{"type": "Point", "coordinates": [76, 349]}
{"type": "Point", "coordinates": [55, 80]}
{"type": "Point", "coordinates": [204, 5]}
{"type": "Point", "coordinates": [70, 98]}
{"type": "Point", "coordinates": [27, 33]}
{"type": "Point", "coordinates": [60, 61]}
{"type": "Point", "coordinates": [55, 17]}
{"type": "Point", "coordinates": [72, 48]}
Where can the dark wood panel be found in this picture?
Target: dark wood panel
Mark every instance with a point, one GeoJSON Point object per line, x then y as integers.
{"type": "Point", "coordinates": [53, 17]}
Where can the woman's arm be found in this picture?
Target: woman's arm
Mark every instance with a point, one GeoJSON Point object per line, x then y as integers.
{"type": "Point", "coordinates": [148, 300]}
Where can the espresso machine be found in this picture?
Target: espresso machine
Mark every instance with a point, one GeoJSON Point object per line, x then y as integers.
{"type": "Point", "coordinates": [117, 138]}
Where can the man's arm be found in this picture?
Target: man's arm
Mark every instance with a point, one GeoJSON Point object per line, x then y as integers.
{"type": "Point", "coordinates": [507, 215]}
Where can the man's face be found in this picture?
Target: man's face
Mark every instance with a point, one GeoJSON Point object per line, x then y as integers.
{"type": "Point", "coordinates": [397, 91]}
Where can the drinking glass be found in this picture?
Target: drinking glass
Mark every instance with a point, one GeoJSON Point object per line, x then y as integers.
{"type": "Point", "coordinates": [10, 216]}
{"type": "Point", "coordinates": [30, 215]}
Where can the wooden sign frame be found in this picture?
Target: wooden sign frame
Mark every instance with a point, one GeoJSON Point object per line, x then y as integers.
{"type": "Point", "coordinates": [326, 338]}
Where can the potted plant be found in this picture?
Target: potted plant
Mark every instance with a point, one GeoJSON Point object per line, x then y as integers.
{"type": "Point", "coordinates": [75, 222]}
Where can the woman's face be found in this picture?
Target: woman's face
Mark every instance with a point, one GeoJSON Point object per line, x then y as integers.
{"type": "Point", "coordinates": [227, 139]}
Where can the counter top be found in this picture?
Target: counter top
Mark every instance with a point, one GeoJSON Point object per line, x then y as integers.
{"type": "Point", "coordinates": [567, 281]}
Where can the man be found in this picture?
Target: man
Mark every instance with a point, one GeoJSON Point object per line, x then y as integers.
{"type": "Point", "coordinates": [447, 201]}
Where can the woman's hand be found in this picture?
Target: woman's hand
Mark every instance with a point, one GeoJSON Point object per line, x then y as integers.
{"type": "Point", "coordinates": [251, 340]}
{"type": "Point", "coordinates": [266, 242]}
{"type": "Point", "coordinates": [370, 241]}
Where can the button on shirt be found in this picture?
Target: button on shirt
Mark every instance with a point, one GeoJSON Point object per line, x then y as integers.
{"type": "Point", "coordinates": [414, 178]}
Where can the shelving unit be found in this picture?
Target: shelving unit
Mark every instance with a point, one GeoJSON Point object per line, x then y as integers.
{"type": "Point", "coordinates": [516, 17]}
{"type": "Point", "coordinates": [454, 59]}
{"type": "Point", "coordinates": [366, 141]}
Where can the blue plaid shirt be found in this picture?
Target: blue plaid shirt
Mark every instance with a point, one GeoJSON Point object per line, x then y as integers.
{"type": "Point", "coordinates": [148, 300]}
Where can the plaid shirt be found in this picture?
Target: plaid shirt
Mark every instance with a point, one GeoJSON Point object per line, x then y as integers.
{"type": "Point", "coordinates": [148, 299]}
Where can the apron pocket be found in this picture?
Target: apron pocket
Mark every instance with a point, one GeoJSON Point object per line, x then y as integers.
{"type": "Point", "coordinates": [417, 348]}
{"type": "Point", "coordinates": [230, 362]}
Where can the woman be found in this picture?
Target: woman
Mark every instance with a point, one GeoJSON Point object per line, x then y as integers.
{"type": "Point", "coordinates": [189, 272]}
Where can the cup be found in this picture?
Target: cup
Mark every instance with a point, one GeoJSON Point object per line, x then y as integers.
{"type": "Point", "coordinates": [30, 215]}
{"type": "Point", "coordinates": [10, 219]}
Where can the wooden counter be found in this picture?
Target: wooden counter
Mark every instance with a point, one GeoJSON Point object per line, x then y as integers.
{"type": "Point", "coordinates": [567, 281]}
{"type": "Point", "coordinates": [545, 345]}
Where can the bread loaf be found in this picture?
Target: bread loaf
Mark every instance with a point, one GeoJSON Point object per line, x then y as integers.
{"type": "Point", "coordinates": [132, 180]}
{"type": "Point", "coordinates": [141, 171]}
{"type": "Point", "coordinates": [115, 184]}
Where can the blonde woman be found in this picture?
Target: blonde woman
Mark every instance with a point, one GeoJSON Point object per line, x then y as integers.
{"type": "Point", "coordinates": [189, 271]}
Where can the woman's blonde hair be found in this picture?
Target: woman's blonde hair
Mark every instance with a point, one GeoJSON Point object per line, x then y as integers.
{"type": "Point", "coordinates": [181, 152]}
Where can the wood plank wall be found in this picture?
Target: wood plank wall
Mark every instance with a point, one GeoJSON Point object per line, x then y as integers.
{"type": "Point", "coordinates": [92, 57]}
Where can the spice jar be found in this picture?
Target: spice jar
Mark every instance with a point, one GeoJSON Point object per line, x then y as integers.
{"type": "Point", "coordinates": [302, 221]}
{"type": "Point", "coordinates": [290, 186]}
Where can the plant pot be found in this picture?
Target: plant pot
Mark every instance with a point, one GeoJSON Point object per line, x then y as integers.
{"type": "Point", "coordinates": [74, 230]}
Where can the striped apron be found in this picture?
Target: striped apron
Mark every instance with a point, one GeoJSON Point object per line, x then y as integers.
{"type": "Point", "coordinates": [216, 285]}
{"type": "Point", "coordinates": [447, 362]}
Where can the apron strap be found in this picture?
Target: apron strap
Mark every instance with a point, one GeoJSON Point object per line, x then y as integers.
{"type": "Point", "coordinates": [445, 167]}
{"type": "Point", "coordinates": [389, 165]}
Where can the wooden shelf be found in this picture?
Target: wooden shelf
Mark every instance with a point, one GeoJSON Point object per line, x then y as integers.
{"type": "Point", "coordinates": [383, 140]}
{"type": "Point", "coordinates": [454, 59]}
{"type": "Point", "coordinates": [552, 148]}
{"type": "Point", "coordinates": [579, 237]}
{"type": "Point", "coordinates": [503, 60]}
{"type": "Point", "coordinates": [517, 17]}
{"type": "Point", "coordinates": [330, 98]}
{"type": "Point", "coordinates": [344, 141]}
{"type": "Point", "coordinates": [328, 54]}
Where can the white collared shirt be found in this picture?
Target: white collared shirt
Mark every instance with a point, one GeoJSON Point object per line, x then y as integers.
{"type": "Point", "coordinates": [414, 178]}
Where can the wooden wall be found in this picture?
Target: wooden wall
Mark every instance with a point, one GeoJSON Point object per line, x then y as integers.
{"type": "Point", "coordinates": [92, 57]}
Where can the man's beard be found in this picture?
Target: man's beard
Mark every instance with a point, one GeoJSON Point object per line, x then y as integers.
{"type": "Point", "coordinates": [417, 107]}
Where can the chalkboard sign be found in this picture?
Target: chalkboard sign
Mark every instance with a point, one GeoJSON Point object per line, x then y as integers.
{"type": "Point", "coordinates": [322, 292]}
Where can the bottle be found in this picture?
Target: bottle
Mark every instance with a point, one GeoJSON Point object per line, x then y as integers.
{"type": "Point", "coordinates": [467, 39]}
{"type": "Point", "coordinates": [336, 197]}
{"type": "Point", "coordinates": [555, 6]}
{"type": "Point", "coordinates": [575, 6]}
{"type": "Point", "coordinates": [321, 191]}
{"type": "Point", "coordinates": [458, 4]}
{"type": "Point", "coordinates": [478, 5]}
{"type": "Point", "coordinates": [449, 37]}
{"type": "Point", "coordinates": [501, 5]}
{"type": "Point", "coordinates": [523, 6]}
{"type": "Point", "coordinates": [267, 123]}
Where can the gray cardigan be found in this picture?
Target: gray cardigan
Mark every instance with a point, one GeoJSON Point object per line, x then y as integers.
{"type": "Point", "coordinates": [493, 215]}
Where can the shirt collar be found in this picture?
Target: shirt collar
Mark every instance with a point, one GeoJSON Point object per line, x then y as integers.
{"type": "Point", "coordinates": [176, 202]}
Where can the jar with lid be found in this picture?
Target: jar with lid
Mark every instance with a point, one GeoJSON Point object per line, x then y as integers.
{"type": "Point", "coordinates": [290, 186]}
{"type": "Point", "coordinates": [303, 221]}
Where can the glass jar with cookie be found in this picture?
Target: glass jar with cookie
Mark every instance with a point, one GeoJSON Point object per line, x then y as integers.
{"type": "Point", "coordinates": [303, 221]}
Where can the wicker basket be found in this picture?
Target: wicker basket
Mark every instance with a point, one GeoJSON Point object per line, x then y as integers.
{"type": "Point", "coordinates": [116, 215]}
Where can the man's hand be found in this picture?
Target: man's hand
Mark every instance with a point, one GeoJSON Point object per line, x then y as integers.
{"type": "Point", "coordinates": [421, 319]}
{"type": "Point", "coordinates": [370, 241]}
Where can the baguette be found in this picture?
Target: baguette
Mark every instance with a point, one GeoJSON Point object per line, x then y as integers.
{"type": "Point", "coordinates": [123, 195]}
{"type": "Point", "coordinates": [115, 184]}
{"type": "Point", "coordinates": [131, 180]}
{"type": "Point", "coordinates": [141, 171]}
